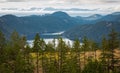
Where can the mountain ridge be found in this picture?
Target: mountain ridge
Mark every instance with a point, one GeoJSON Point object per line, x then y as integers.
{"type": "Point", "coordinates": [55, 22]}
{"type": "Point", "coordinates": [37, 24]}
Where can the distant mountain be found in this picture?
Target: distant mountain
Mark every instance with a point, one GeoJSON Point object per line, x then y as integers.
{"type": "Point", "coordinates": [94, 32]}
{"type": "Point", "coordinates": [60, 14]}
{"type": "Point", "coordinates": [99, 28]}
{"type": "Point", "coordinates": [93, 26]}
{"type": "Point", "coordinates": [116, 13]}
{"type": "Point", "coordinates": [111, 17]}
{"type": "Point", "coordinates": [89, 20]}
{"type": "Point", "coordinates": [93, 17]}
{"type": "Point", "coordinates": [30, 25]}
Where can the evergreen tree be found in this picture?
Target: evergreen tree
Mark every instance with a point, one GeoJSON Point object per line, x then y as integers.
{"type": "Point", "coordinates": [93, 67]}
{"type": "Point", "coordinates": [2, 40]}
{"type": "Point", "coordinates": [61, 48]}
{"type": "Point", "coordinates": [85, 47]}
{"type": "Point", "coordinates": [113, 42]}
{"type": "Point", "coordinates": [2, 54]}
{"type": "Point", "coordinates": [94, 47]}
{"type": "Point", "coordinates": [2, 44]}
{"type": "Point", "coordinates": [14, 60]}
{"type": "Point", "coordinates": [104, 55]}
{"type": "Point", "coordinates": [42, 48]}
{"type": "Point", "coordinates": [36, 48]}
{"type": "Point", "coordinates": [23, 44]}
{"type": "Point", "coordinates": [77, 49]}
{"type": "Point", "coordinates": [28, 58]}
{"type": "Point", "coordinates": [52, 65]}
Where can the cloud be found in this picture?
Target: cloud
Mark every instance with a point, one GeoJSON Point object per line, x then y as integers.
{"type": "Point", "coordinates": [92, 1]}
{"type": "Point", "coordinates": [21, 0]}
{"type": "Point", "coordinates": [66, 3]}
{"type": "Point", "coordinates": [68, 9]}
{"type": "Point", "coordinates": [110, 1]}
{"type": "Point", "coordinates": [73, 7]}
{"type": "Point", "coordinates": [13, 0]}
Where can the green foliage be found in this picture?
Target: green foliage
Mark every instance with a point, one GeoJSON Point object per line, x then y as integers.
{"type": "Point", "coordinates": [36, 46]}
{"type": "Point", "coordinates": [13, 60]}
{"type": "Point", "coordinates": [113, 40]}
{"type": "Point", "coordinates": [16, 56]}
{"type": "Point", "coordinates": [104, 44]}
{"type": "Point", "coordinates": [86, 44]}
{"type": "Point", "coordinates": [2, 40]}
{"type": "Point", "coordinates": [93, 67]}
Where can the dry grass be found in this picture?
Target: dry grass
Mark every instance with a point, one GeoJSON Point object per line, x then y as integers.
{"type": "Point", "coordinates": [86, 55]}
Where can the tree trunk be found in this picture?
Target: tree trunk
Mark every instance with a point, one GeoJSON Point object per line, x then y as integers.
{"type": "Point", "coordinates": [37, 62]}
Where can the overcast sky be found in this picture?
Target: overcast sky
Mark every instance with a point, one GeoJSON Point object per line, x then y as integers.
{"type": "Point", "coordinates": [72, 7]}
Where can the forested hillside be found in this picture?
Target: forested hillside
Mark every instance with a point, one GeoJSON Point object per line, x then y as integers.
{"type": "Point", "coordinates": [16, 56]}
{"type": "Point", "coordinates": [29, 25]}
{"type": "Point", "coordinates": [75, 27]}
{"type": "Point", "coordinates": [94, 32]}
{"type": "Point", "coordinates": [95, 29]}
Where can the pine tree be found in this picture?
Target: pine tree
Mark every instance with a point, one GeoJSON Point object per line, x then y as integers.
{"type": "Point", "coordinates": [42, 48]}
{"type": "Point", "coordinates": [93, 66]}
{"type": "Point", "coordinates": [61, 48]}
{"type": "Point", "coordinates": [85, 47]}
{"type": "Point", "coordinates": [94, 47]}
{"type": "Point", "coordinates": [113, 42]}
{"type": "Point", "coordinates": [2, 53]}
{"type": "Point", "coordinates": [104, 55]}
{"type": "Point", "coordinates": [23, 44]}
{"type": "Point", "coordinates": [36, 48]}
{"type": "Point", "coordinates": [14, 60]}
{"type": "Point", "coordinates": [77, 49]}
{"type": "Point", "coordinates": [2, 40]}
{"type": "Point", "coordinates": [2, 44]}
{"type": "Point", "coordinates": [14, 51]}
{"type": "Point", "coordinates": [28, 58]}
{"type": "Point", "coordinates": [52, 63]}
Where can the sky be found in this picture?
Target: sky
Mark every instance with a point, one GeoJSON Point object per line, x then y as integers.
{"type": "Point", "coordinates": [72, 7]}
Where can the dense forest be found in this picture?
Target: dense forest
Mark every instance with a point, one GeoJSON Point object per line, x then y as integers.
{"type": "Point", "coordinates": [16, 56]}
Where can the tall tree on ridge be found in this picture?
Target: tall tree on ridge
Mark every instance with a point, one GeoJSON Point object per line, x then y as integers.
{"type": "Point", "coordinates": [113, 42]}
{"type": "Point", "coordinates": [36, 48]}
{"type": "Point", "coordinates": [104, 58]}
{"type": "Point", "coordinates": [85, 47]}
{"type": "Point", "coordinates": [77, 49]}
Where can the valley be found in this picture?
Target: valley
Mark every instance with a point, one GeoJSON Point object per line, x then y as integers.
{"type": "Point", "coordinates": [93, 27]}
{"type": "Point", "coordinates": [59, 36]}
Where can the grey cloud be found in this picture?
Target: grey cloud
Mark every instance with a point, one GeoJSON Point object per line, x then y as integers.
{"type": "Point", "coordinates": [69, 1]}
{"type": "Point", "coordinates": [110, 1]}
{"type": "Point", "coordinates": [92, 1]}
{"type": "Point", "coordinates": [22, 0]}
{"type": "Point", "coordinates": [70, 9]}
{"type": "Point", "coordinates": [15, 0]}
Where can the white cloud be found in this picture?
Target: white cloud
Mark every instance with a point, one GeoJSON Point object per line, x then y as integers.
{"type": "Point", "coordinates": [68, 1]}
{"type": "Point", "coordinates": [15, 0]}
{"type": "Point", "coordinates": [92, 6]}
